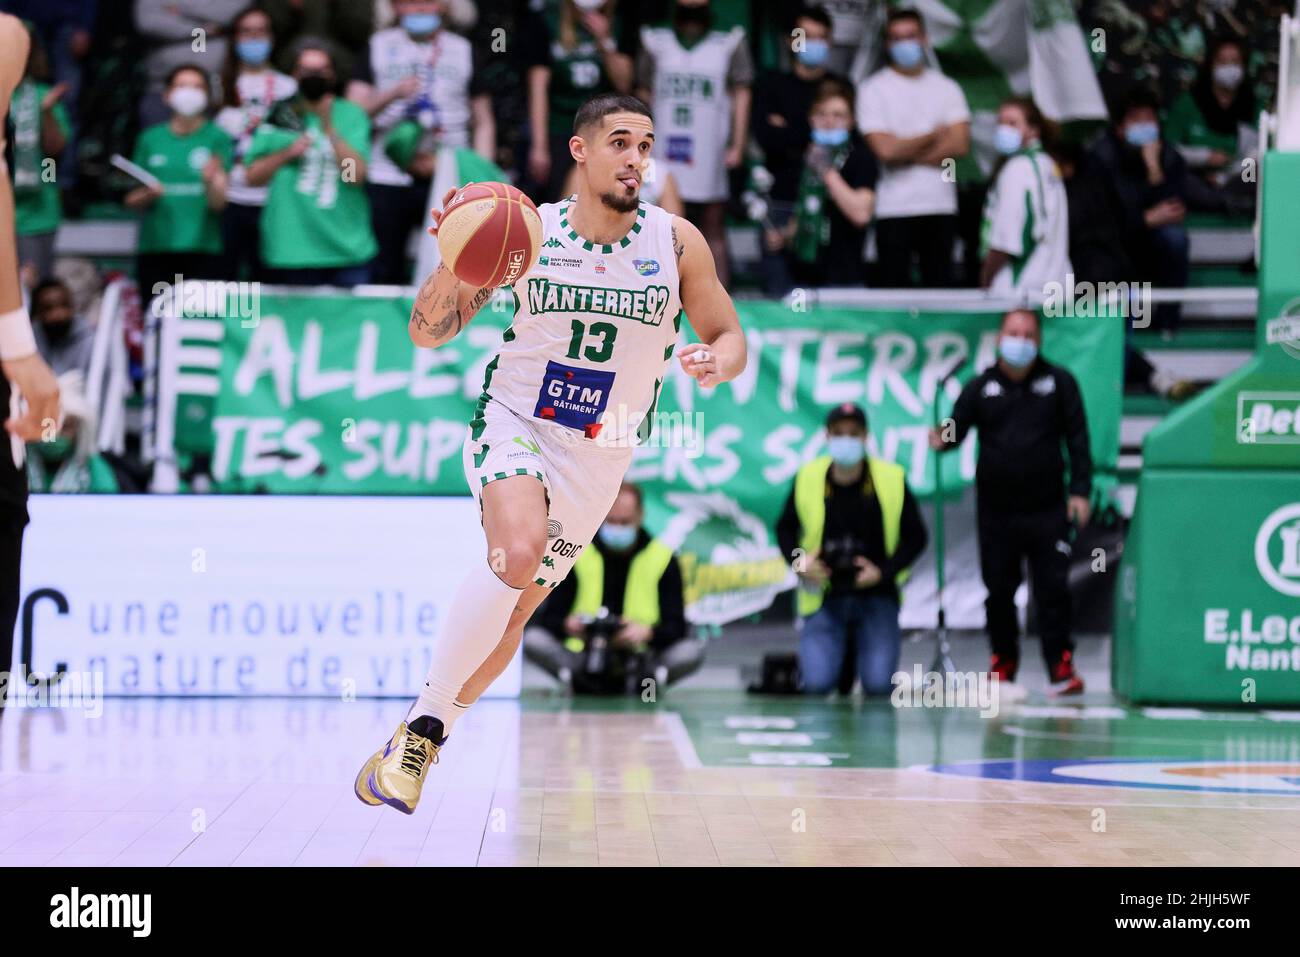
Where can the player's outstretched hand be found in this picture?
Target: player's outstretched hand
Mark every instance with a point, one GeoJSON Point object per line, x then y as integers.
{"type": "Point", "coordinates": [699, 362]}
{"type": "Point", "coordinates": [41, 390]}
{"type": "Point", "coordinates": [437, 213]}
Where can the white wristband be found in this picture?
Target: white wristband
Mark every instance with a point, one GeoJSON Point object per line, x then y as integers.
{"type": "Point", "coordinates": [16, 338]}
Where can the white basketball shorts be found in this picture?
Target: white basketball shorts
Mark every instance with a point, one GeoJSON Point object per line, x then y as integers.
{"type": "Point", "coordinates": [581, 479]}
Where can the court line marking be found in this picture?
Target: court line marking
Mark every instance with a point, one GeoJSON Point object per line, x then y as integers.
{"type": "Point", "coordinates": [1198, 805]}
{"type": "Point", "coordinates": [1015, 731]}
{"type": "Point", "coordinates": [1191, 792]}
{"type": "Point", "coordinates": [681, 739]}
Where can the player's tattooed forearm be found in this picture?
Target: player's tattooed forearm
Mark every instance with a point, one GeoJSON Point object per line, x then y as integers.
{"type": "Point", "coordinates": [678, 248]}
{"type": "Point", "coordinates": [437, 329]}
{"type": "Point", "coordinates": [444, 328]}
{"type": "Point", "coordinates": [441, 327]}
{"type": "Point", "coordinates": [480, 297]}
{"type": "Point", "coordinates": [427, 288]}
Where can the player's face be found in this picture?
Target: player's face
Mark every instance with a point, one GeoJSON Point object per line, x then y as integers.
{"type": "Point", "coordinates": [615, 159]}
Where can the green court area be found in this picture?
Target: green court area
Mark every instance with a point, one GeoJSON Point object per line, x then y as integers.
{"type": "Point", "coordinates": [733, 729]}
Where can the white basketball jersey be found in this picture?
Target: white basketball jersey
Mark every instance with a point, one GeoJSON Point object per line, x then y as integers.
{"type": "Point", "coordinates": [593, 332]}
{"type": "Point", "coordinates": [692, 107]}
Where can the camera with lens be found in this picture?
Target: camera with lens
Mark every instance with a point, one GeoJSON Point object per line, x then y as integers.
{"type": "Point", "coordinates": [604, 667]}
{"type": "Point", "coordinates": [839, 555]}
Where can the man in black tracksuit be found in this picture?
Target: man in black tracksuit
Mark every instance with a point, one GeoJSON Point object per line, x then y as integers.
{"type": "Point", "coordinates": [1026, 409]}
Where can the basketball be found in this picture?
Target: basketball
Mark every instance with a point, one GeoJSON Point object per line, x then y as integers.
{"type": "Point", "coordinates": [489, 234]}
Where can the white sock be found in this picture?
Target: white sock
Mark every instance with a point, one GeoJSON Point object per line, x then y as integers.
{"type": "Point", "coordinates": [475, 625]}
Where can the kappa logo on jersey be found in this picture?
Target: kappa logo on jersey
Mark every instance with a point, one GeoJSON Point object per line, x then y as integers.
{"type": "Point", "coordinates": [553, 242]}
{"type": "Point", "coordinates": [646, 267]}
{"type": "Point", "coordinates": [648, 305]}
{"type": "Point", "coordinates": [600, 267]}
{"type": "Point", "coordinates": [573, 397]}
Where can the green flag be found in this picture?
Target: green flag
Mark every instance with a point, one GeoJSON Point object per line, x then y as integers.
{"type": "Point", "coordinates": [456, 167]}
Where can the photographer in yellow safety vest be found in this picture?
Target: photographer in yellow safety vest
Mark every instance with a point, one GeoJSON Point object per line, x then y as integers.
{"type": "Point", "coordinates": [852, 528]}
{"type": "Point", "coordinates": [635, 580]}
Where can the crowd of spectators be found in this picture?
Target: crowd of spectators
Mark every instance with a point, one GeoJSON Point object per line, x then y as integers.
{"type": "Point", "coordinates": [295, 142]}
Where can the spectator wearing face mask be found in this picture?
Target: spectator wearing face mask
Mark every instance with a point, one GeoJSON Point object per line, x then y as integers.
{"type": "Point", "coordinates": [1027, 411]}
{"type": "Point", "coordinates": [180, 233]}
{"type": "Point", "coordinates": [250, 87]}
{"type": "Point", "coordinates": [1025, 233]}
{"type": "Point", "coordinates": [1149, 178]}
{"type": "Point", "coordinates": [1213, 126]}
{"type": "Point", "coordinates": [179, 33]}
{"type": "Point", "coordinates": [570, 54]}
{"type": "Point", "coordinates": [836, 194]}
{"type": "Point", "coordinates": [346, 25]}
{"type": "Point", "coordinates": [853, 529]}
{"type": "Point", "coordinates": [781, 128]}
{"type": "Point", "coordinates": [314, 152]}
{"type": "Point", "coordinates": [698, 80]}
{"type": "Point", "coordinates": [915, 120]}
{"type": "Point", "coordinates": [63, 338]}
{"type": "Point", "coordinates": [638, 580]}
{"type": "Point", "coordinates": [420, 82]}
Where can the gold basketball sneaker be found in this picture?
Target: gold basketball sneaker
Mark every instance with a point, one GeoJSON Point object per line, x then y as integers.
{"type": "Point", "coordinates": [395, 773]}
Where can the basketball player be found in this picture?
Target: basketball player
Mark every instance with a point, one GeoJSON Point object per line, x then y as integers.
{"type": "Point", "coordinates": [25, 372]}
{"type": "Point", "coordinates": [569, 394]}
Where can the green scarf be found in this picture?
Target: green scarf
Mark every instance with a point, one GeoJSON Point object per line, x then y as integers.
{"type": "Point", "coordinates": [26, 112]}
{"type": "Point", "coordinates": [812, 227]}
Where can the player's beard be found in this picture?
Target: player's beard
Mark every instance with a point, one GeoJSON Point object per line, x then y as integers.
{"type": "Point", "coordinates": [620, 201]}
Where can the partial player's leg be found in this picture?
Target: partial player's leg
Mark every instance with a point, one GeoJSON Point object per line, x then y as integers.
{"type": "Point", "coordinates": [471, 641]}
{"type": "Point", "coordinates": [496, 662]}
{"type": "Point", "coordinates": [505, 470]}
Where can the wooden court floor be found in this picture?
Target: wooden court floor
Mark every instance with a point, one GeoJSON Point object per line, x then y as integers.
{"type": "Point", "coordinates": [703, 778]}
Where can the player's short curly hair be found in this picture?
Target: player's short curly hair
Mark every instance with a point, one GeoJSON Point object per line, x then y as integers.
{"type": "Point", "coordinates": [599, 107]}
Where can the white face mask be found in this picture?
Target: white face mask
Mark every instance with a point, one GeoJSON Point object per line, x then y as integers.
{"type": "Point", "coordinates": [188, 100]}
{"type": "Point", "coordinates": [1228, 75]}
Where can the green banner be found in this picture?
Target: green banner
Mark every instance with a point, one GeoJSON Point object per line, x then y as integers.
{"type": "Point", "coordinates": [326, 394]}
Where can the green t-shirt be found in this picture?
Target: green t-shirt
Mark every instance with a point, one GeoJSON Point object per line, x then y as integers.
{"type": "Point", "coordinates": [1186, 126]}
{"type": "Point", "coordinates": [576, 75]}
{"type": "Point", "coordinates": [314, 219]}
{"type": "Point", "coordinates": [181, 221]}
{"type": "Point", "coordinates": [37, 207]}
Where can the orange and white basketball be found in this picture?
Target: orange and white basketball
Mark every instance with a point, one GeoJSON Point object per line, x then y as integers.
{"type": "Point", "coordinates": [490, 234]}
